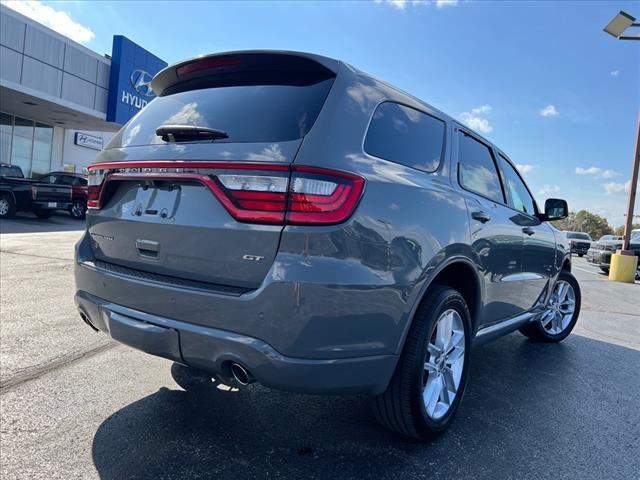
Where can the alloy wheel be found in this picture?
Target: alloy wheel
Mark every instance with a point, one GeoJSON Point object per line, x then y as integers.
{"type": "Point", "coordinates": [4, 207]}
{"type": "Point", "coordinates": [559, 313]}
{"type": "Point", "coordinates": [77, 210]}
{"type": "Point", "coordinates": [444, 364]}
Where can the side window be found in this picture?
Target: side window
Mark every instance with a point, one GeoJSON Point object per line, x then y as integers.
{"type": "Point", "coordinates": [66, 180]}
{"type": "Point", "coordinates": [477, 170]}
{"type": "Point", "coordinates": [518, 196]}
{"type": "Point", "coordinates": [406, 136]}
{"type": "Point", "coordinates": [48, 179]}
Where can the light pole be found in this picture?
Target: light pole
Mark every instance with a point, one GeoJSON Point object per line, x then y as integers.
{"type": "Point", "coordinates": [626, 267]}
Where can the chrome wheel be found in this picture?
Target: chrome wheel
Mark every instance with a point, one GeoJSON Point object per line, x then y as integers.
{"type": "Point", "coordinates": [562, 305]}
{"type": "Point", "coordinates": [77, 210]}
{"type": "Point", "coordinates": [443, 364]}
{"type": "Point", "coordinates": [4, 207]}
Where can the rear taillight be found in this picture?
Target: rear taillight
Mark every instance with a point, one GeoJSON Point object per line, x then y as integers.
{"type": "Point", "coordinates": [252, 193]}
{"type": "Point", "coordinates": [33, 190]}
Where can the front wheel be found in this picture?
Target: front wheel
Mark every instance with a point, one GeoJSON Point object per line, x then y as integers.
{"type": "Point", "coordinates": [561, 314]}
{"type": "Point", "coordinates": [605, 270]}
{"type": "Point", "coordinates": [429, 381]}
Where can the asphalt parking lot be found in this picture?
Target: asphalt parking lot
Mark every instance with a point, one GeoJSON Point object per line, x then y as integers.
{"type": "Point", "coordinates": [73, 404]}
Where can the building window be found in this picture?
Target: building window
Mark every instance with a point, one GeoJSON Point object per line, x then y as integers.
{"type": "Point", "coordinates": [26, 144]}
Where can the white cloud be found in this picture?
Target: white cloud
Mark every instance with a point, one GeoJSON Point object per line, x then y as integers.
{"type": "Point", "coordinates": [548, 189]}
{"type": "Point", "coordinates": [446, 3]}
{"type": "Point", "coordinates": [525, 167]}
{"type": "Point", "coordinates": [615, 73]}
{"type": "Point", "coordinates": [597, 172]}
{"type": "Point", "coordinates": [57, 20]}
{"type": "Point", "coordinates": [482, 110]}
{"type": "Point", "coordinates": [612, 187]}
{"type": "Point", "coordinates": [402, 4]}
{"type": "Point", "coordinates": [549, 111]}
{"type": "Point", "coordinates": [476, 120]}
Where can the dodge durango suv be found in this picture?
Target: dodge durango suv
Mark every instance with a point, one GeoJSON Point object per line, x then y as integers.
{"type": "Point", "coordinates": [285, 218]}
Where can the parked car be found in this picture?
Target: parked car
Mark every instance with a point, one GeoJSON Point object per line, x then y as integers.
{"type": "Point", "coordinates": [609, 238]}
{"type": "Point", "coordinates": [579, 241]}
{"type": "Point", "coordinates": [285, 218]}
{"type": "Point", "coordinates": [78, 184]}
{"type": "Point", "coordinates": [600, 252]}
{"type": "Point", "coordinates": [21, 194]}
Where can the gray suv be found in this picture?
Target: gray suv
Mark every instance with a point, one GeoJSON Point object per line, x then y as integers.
{"type": "Point", "coordinates": [285, 218]}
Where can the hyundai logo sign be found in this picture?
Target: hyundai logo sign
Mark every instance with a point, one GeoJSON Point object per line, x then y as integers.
{"type": "Point", "coordinates": [132, 69]}
{"type": "Point", "coordinates": [141, 82]}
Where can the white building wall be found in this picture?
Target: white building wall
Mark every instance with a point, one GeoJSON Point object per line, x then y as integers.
{"type": "Point", "coordinates": [69, 153]}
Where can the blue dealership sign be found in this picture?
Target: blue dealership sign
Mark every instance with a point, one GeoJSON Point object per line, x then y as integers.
{"type": "Point", "coordinates": [132, 68]}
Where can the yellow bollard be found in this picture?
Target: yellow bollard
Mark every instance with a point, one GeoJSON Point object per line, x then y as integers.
{"type": "Point", "coordinates": [623, 267]}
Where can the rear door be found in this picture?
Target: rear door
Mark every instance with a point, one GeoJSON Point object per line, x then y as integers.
{"type": "Point", "coordinates": [207, 209]}
{"type": "Point", "coordinates": [497, 238]}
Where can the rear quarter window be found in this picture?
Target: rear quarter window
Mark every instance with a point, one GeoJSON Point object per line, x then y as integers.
{"type": "Point", "coordinates": [406, 136]}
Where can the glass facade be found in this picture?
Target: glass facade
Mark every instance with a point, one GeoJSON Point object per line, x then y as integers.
{"type": "Point", "coordinates": [26, 143]}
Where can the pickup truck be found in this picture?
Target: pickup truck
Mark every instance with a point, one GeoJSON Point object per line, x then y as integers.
{"type": "Point", "coordinates": [22, 194]}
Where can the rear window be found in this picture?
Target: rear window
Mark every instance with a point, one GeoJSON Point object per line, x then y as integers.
{"type": "Point", "coordinates": [406, 136]}
{"type": "Point", "coordinates": [248, 113]}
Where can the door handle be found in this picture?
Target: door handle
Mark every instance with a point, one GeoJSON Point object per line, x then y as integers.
{"type": "Point", "coordinates": [528, 230]}
{"type": "Point", "coordinates": [481, 216]}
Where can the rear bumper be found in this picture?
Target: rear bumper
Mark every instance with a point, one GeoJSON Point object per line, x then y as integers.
{"type": "Point", "coordinates": [213, 350]}
{"type": "Point", "coordinates": [47, 205]}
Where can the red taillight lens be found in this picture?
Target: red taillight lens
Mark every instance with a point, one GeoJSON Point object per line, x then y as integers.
{"type": "Point", "coordinates": [252, 193]}
{"type": "Point", "coordinates": [207, 64]}
{"type": "Point", "coordinates": [319, 196]}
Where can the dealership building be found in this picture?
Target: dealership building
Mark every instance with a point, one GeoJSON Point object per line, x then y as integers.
{"type": "Point", "coordinates": [60, 102]}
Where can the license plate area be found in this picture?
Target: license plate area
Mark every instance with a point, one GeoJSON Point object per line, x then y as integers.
{"type": "Point", "coordinates": [52, 204]}
{"type": "Point", "coordinates": [157, 199]}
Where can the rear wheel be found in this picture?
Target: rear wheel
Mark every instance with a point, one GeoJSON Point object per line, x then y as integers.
{"type": "Point", "coordinates": [427, 386]}
{"type": "Point", "coordinates": [78, 209]}
{"type": "Point", "coordinates": [7, 207]}
{"type": "Point", "coordinates": [581, 255]}
{"type": "Point", "coordinates": [43, 213]}
{"type": "Point", "coordinates": [561, 314]}
{"type": "Point", "coordinates": [605, 270]}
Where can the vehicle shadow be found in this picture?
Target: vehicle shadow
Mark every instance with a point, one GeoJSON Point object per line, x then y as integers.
{"type": "Point", "coordinates": [28, 223]}
{"type": "Point", "coordinates": [531, 411]}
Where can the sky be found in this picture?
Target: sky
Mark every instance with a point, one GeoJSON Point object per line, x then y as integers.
{"type": "Point", "coordinates": [539, 79]}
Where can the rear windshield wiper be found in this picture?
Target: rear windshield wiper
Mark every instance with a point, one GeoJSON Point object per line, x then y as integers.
{"type": "Point", "coordinates": [181, 133]}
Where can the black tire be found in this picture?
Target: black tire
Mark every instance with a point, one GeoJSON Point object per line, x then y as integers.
{"type": "Point", "coordinates": [581, 255]}
{"type": "Point", "coordinates": [401, 408]}
{"type": "Point", "coordinates": [192, 379]}
{"type": "Point", "coordinates": [78, 210]}
{"type": "Point", "coordinates": [605, 270]}
{"type": "Point", "coordinates": [536, 332]}
{"type": "Point", "coordinates": [43, 213]}
{"type": "Point", "coordinates": [8, 207]}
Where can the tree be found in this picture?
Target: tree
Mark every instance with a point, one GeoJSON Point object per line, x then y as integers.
{"type": "Point", "coordinates": [620, 229]}
{"type": "Point", "coordinates": [585, 221]}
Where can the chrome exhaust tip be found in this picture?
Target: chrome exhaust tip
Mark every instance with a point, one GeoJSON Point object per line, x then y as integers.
{"type": "Point", "coordinates": [240, 374]}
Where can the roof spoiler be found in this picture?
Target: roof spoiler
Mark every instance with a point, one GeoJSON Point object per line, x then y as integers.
{"type": "Point", "coordinates": [244, 67]}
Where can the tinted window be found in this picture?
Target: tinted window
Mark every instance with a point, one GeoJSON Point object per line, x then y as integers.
{"type": "Point", "coordinates": [248, 113]}
{"type": "Point", "coordinates": [518, 196]}
{"type": "Point", "coordinates": [477, 170]}
{"type": "Point", "coordinates": [406, 136]}
{"type": "Point", "coordinates": [578, 236]}
{"type": "Point", "coordinates": [11, 171]}
{"type": "Point", "coordinates": [48, 179]}
{"type": "Point", "coordinates": [67, 180]}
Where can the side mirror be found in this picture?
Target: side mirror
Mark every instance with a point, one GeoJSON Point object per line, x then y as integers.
{"type": "Point", "coordinates": [555, 209]}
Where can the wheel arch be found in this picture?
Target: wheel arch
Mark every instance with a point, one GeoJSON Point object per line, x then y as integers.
{"type": "Point", "coordinates": [459, 273]}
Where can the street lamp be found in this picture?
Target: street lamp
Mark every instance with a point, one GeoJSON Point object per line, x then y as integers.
{"type": "Point", "coordinates": [623, 262]}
